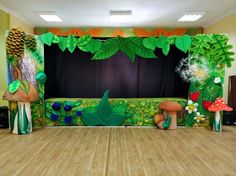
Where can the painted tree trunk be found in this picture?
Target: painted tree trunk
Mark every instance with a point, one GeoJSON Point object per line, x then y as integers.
{"type": "Point", "coordinates": [217, 124]}
{"type": "Point", "coordinates": [21, 123]}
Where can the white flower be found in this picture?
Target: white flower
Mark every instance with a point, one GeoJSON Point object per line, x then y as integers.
{"type": "Point", "coordinates": [199, 117]}
{"type": "Point", "coordinates": [217, 80]}
{"type": "Point", "coordinates": [191, 107]}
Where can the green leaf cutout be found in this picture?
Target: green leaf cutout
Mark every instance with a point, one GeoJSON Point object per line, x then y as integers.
{"type": "Point", "coordinates": [25, 86]}
{"type": "Point", "coordinates": [63, 43]}
{"type": "Point", "coordinates": [108, 48]}
{"type": "Point", "coordinates": [47, 38]}
{"type": "Point", "coordinates": [92, 46]}
{"type": "Point", "coordinates": [104, 114]}
{"type": "Point", "coordinates": [55, 39]}
{"type": "Point", "coordinates": [127, 49]}
{"type": "Point", "coordinates": [163, 43]}
{"type": "Point", "coordinates": [183, 43]}
{"type": "Point", "coordinates": [150, 43]}
{"type": "Point", "coordinates": [41, 77]}
{"type": "Point", "coordinates": [71, 43]}
{"type": "Point", "coordinates": [83, 40]}
{"type": "Point", "coordinates": [14, 86]}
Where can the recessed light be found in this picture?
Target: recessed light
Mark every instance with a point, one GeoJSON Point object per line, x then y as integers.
{"type": "Point", "coordinates": [120, 16]}
{"type": "Point", "coordinates": [191, 16]}
{"type": "Point", "coordinates": [50, 17]}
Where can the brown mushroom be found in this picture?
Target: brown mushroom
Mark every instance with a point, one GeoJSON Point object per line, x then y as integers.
{"type": "Point", "coordinates": [23, 94]}
{"type": "Point", "coordinates": [158, 118]}
{"type": "Point", "coordinates": [170, 108]}
{"type": "Point", "coordinates": [217, 106]}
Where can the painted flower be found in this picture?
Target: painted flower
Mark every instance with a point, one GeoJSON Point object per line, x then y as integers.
{"type": "Point", "coordinates": [68, 119]}
{"type": "Point", "coordinates": [199, 117]}
{"type": "Point", "coordinates": [217, 80]}
{"type": "Point", "coordinates": [54, 117]}
{"type": "Point", "coordinates": [191, 107]}
{"type": "Point", "coordinates": [194, 96]}
{"type": "Point", "coordinates": [56, 106]}
{"type": "Point", "coordinates": [206, 104]}
{"type": "Point", "coordinates": [67, 107]}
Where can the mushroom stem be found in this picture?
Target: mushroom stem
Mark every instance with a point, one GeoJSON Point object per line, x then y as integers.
{"type": "Point", "coordinates": [23, 120]}
{"type": "Point", "coordinates": [173, 124]}
{"type": "Point", "coordinates": [217, 126]}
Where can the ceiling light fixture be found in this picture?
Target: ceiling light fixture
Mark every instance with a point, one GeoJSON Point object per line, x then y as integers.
{"type": "Point", "coordinates": [50, 17]}
{"type": "Point", "coordinates": [120, 16]}
{"type": "Point", "coordinates": [191, 16]}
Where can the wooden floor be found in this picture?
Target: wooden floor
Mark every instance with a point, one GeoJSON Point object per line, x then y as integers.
{"type": "Point", "coordinates": [119, 152]}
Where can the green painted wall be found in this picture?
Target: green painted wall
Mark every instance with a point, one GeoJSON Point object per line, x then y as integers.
{"type": "Point", "coordinates": [4, 25]}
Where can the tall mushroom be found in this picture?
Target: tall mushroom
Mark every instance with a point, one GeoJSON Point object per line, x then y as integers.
{"type": "Point", "coordinates": [217, 106]}
{"type": "Point", "coordinates": [23, 92]}
{"type": "Point", "coordinates": [170, 109]}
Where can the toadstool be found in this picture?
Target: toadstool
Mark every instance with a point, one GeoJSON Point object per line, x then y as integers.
{"type": "Point", "coordinates": [170, 109]}
{"type": "Point", "coordinates": [23, 92]}
{"type": "Point", "coordinates": [217, 106]}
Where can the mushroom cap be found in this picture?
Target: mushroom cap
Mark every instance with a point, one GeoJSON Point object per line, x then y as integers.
{"type": "Point", "coordinates": [22, 96]}
{"type": "Point", "coordinates": [219, 105]}
{"type": "Point", "coordinates": [170, 106]}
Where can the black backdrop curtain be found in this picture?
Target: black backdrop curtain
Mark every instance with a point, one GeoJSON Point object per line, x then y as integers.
{"type": "Point", "coordinates": [74, 75]}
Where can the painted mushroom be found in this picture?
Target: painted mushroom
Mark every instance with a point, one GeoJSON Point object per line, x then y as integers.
{"type": "Point", "coordinates": [22, 92]}
{"type": "Point", "coordinates": [170, 109]}
{"type": "Point", "coordinates": [217, 106]}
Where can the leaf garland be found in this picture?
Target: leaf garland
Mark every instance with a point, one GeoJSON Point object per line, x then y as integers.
{"type": "Point", "coordinates": [108, 48]}
{"type": "Point", "coordinates": [163, 43]}
{"type": "Point", "coordinates": [55, 39]}
{"type": "Point", "coordinates": [47, 38]}
{"type": "Point", "coordinates": [63, 43]}
{"type": "Point", "coordinates": [183, 43]}
{"type": "Point", "coordinates": [71, 43]}
{"type": "Point", "coordinates": [150, 43]}
{"type": "Point", "coordinates": [83, 40]}
{"type": "Point", "coordinates": [92, 46]}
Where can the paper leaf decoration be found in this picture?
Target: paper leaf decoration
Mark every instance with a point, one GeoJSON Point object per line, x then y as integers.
{"type": "Point", "coordinates": [104, 114]}
{"type": "Point", "coordinates": [41, 77]}
{"type": "Point", "coordinates": [63, 43]}
{"type": "Point", "coordinates": [126, 48]}
{"type": "Point", "coordinates": [163, 43]}
{"type": "Point", "coordinates": [55, 39]}
{"type": "Point", "coordinates": [47, 38]}
{"type": "Point", "coordinates": [150, 43]}
{"type": "Point", "coordinates": [71, 43]}
{"type": "Point", "coordinates": [108, 48]}
{"type": "Point", "coordinates": [183, 43]}
{"type": "Point", "coordinates": [83, 40]}
{"type": "Point", "coordinates": [92, 46]}
{"type": "Point", "coordinates": [14, 86]}
{"type": "Point", "coordinates": [25, 86]}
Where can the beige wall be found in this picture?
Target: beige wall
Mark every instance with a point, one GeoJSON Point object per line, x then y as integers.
{"type": "Point", "coordinates": [8, 21]}
{"type": "Point", "coordinates": [16, 22]}
{"type": "Point", "coordinates": [4, 25]}
{"type": "Point", "coordinates": [226, 25]}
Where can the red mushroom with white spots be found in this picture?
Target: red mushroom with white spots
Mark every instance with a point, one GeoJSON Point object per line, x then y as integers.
{"type": "Point", "coordinates": [217, 106]}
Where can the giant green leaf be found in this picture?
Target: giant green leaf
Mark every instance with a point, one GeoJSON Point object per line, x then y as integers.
{"type": "Point", "coordinates": [92, 46]}
{"type": "Point", "coordinates": [183, 43]}
{"type": "Point", "coordinates": [25, 86]}
{"type": "Point", "coordinates": [163, 43]}
{"type": "Point", "coordinates": [14, 86]}
{"type": "Point", "coordinates": [127, 49]}
{"type": "Point", "coordinates": [71, 43]}
{"type": "Point", "coordinates": [63, 43]}
{"type": "Point", "coordinates": [47, 38]}
{"type": "Point", "coordinates": [108, 48]}
{"type": "Point", "coordinates": [103, 115]}
{"type": "Point", "coordinates": [150, 43]}
{"type": "Point", "coordinates": [83, 40]}
{"type": "Point", "coordinates": [55, 39]}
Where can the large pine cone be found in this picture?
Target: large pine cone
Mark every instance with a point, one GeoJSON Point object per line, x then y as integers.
{"type": "Point", "coordinates": [30, 42]}
{"type": "Point", "coordinates": [15, 43]}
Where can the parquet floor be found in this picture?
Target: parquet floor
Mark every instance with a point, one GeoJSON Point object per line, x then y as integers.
{"type": "Point", "coordinates": [119, 152]}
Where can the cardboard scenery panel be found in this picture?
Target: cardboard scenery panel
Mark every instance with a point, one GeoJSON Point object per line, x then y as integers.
{"type": "Point", "coordinates": [203, 68]}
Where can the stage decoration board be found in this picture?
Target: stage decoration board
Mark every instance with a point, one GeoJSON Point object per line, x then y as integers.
{"type": "Point", "coordinates": [209, 54]}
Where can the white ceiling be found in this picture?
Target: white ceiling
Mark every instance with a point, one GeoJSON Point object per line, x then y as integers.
{"type": "Point", "coordinates": [93, 13]}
